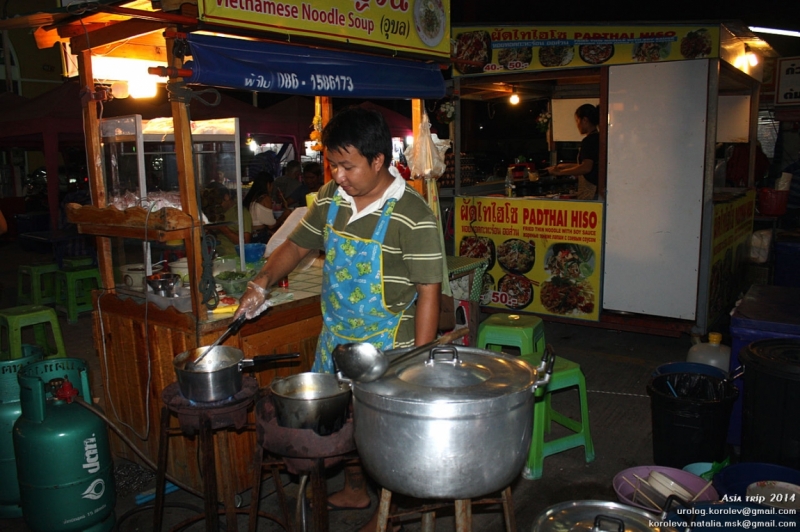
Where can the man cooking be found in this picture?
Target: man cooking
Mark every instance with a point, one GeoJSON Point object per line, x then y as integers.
{"type": "Point", "coordinates": [382, 273]}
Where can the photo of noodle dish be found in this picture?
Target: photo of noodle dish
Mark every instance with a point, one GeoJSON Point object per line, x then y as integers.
{"type": "Point", "coordinates": [515, 56]}
{"type": "Point", "coordinates": [518, 290]}
{"type": "Point", "coordinates": [569, 261]}
{"type": "Point", "coordinates": [516, 256]}
{"type": "Point", "coordinates": [596, 54]}
{"type": "Point", "coordinates": [696, 44]}
{"type": "Point", "coordinates": [478, 247]}
{"type": "Point", "coordinates": [566, 297]}
{"type": "Point", "coordinates": [473, 51]}
{"type": "Point", "coordinates": [651, 51]}
{"type": "Point", "coordinates": [487, 288]}
{"type": "Point", "coordinates": [554, 56]}
{"type": "Point", "coordinates": [429, 21]}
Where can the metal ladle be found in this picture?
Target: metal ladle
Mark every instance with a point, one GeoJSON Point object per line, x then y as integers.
{"type": "Point", "coordinates": [363, 362]}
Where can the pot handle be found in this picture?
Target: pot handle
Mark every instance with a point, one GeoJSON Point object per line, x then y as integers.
{"type": "Point", "coordinates": [545, 369]}
{"type": "Point", "coordinates": [598, 520]}
{"type": "Point", "coordinates": [261, 359]}
{"type": "Point", "coordinates": [446, 349]}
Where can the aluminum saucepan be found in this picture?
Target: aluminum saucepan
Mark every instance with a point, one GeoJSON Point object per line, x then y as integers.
{"type": "Point", "coordinates": [316, 401]}
{"type": "Point", "coordinates": [219, 375]}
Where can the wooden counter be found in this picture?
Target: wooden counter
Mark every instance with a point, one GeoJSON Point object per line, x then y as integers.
{"type": "Point", "coordinates": [136, 344]}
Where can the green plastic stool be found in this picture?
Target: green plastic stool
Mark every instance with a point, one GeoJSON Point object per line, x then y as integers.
{"type": "Point", "coordinates": [77, 262]}
{"type": "Point", "coordinates": [74, 291]}
{"type": "Point", "coordinates": [14, 319]}
{"type": "Point", "coordinates": [567, 375]}
{"type": "Point", "coordinates": [526, 333]}
{"type": "Point", "coordinates": [36, 284]}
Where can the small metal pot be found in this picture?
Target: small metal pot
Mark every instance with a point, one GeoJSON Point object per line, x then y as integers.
{"type": "Point", "coordinates": [316, 401]}
{"type": "Point", "coordinates": [218, 375]}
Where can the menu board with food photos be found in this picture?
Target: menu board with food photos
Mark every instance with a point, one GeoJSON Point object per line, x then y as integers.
{"type": "Point", "coordinates": [503, 49]}
{"type": "Point", "coordinates": [544, 254]}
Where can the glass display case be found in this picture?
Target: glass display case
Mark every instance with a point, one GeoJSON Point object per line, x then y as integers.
{"type": "Point", "coordinates": [139, 164]}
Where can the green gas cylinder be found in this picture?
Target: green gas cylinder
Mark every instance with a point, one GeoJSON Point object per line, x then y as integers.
{"type": "Point", "coordinates": [9, 412]}
{"type": "Point", "coordinates": [63, 456]}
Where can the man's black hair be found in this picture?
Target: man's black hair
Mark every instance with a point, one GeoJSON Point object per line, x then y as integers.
{"type": "Point", "coordinates": [363, 129]}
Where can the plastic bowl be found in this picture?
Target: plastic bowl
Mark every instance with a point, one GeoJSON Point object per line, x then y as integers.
{"type": "Point", "coordinates": [667, 486]}
{"type": "Point", "coordinates": [698, 468]}
{"type": "Point", "coordinates": [691, 482]}
{"type": "Point", "coordinates": [234, 287]}
{"type": "Point", "coordinates": [253, 252]}
{"type": "Point", "coordinates": [735, 479]}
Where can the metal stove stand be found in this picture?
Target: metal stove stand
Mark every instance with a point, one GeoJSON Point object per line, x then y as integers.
{"type": "Point", "coordinates": [205, 419]}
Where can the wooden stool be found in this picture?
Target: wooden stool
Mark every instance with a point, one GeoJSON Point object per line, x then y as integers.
{"type": "Point", "coordinates": [14, 319]}
{"type": "Point", "coordinates": [74, 291]}
{"type": "Point", "coordinates": [36, 284]}
{"type": "Point", "coordinates": [463, 510]}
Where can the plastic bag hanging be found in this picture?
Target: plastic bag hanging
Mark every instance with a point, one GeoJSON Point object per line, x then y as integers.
{"type": "Point", "coordinates": [425, 158]}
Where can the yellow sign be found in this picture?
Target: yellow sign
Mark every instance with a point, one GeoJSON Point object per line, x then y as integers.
{"type": "Point", "coordinates": [504, 49]}
{"type": "Point", "coordinates": [544, 255]}
{"type": "Point", "coordinates": [733, 225]}
{"type": "Point", "coordinates": [413, 26]}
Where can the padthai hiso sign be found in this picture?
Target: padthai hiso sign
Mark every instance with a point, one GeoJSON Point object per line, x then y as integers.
{"type": "Point", "coordinates": [413, 26]}
{"type": "Point", "coordinates": [545, 256]}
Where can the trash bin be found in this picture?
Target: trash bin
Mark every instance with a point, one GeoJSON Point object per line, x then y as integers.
{"type": "Point", "coordinates": [690, 414]}
{"type": "Point", "coordinates": [770, 428]}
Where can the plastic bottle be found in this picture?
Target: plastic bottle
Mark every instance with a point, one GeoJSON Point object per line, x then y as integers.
{"type": "Point", "coordinates": [711, 353]}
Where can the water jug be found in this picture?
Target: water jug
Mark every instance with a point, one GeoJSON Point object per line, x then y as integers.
{"type": "Point", "coordinates": [712, 353]}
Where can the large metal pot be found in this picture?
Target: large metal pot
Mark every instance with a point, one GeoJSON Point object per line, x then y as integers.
{"type": "Point", "coordinates": [455, 423]}
{"type": "Point", "coordinates": [316, 401]}
{"type": "Point", "coordinates": [218, 375]}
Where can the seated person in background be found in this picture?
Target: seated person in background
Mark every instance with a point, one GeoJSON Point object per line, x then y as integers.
{"type": "Point", "coordinates": [219, 206]}
{"type": "Point", "coordinates": [259, 203]}
{"type": "Point", "coordinates": [288, 190]}
{"type": "Point", "coordinates": [312, 176]}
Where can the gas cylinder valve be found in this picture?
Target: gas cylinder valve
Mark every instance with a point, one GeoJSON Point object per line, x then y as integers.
{"type": "Point", "coordinates": [63, 390]}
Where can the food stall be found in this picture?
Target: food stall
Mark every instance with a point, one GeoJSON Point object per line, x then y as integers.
{"type": "Point", "coordinates": [643, 256]}
{"type": "Point", "coordinates": [326, 50]}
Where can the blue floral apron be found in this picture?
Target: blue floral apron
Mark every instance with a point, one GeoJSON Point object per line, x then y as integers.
{"type": "Point", "coordinates": [353, 306]}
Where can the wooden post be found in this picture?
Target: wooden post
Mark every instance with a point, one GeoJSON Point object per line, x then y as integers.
{"type": "Point", "coordinates": [188, 186]}
{"type": "Point", "coordinates": [325, 104]}
{"type": "Point", "coordinates": [417, 112]}
{"type": "Point", "coordinates": [94, 157]}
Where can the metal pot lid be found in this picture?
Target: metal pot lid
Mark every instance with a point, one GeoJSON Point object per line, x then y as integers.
{"type": "Point", "coordinates": [453, 374]}
{"type": "Point", "coordinates": [584, 515]}
{"type": "Point", "coordinates": [219, 357]}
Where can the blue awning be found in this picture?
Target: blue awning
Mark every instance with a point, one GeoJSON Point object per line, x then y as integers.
{"type": "Point", "coordinates": [270, 67]}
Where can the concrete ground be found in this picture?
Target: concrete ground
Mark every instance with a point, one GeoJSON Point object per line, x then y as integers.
{"type": "Point", "coordinates": [617, 366]}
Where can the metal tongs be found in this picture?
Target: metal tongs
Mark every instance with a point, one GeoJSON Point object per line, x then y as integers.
{"type": "Point", "coordinates": [232, 328]}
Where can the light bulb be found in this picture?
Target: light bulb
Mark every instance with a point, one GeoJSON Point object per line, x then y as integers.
{"type": "Point", "coordinates": [119, 89]}
{"type": "Point", "coordinates": [514, 99]}
{"type": "Point", "coordinates": [752, 59]}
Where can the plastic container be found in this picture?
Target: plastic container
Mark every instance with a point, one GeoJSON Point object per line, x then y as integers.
{"type": "Point", "coordinates": [253, 252]}
{"type": "Point", "coordinates": [234, 287]}
{"type": "Point", "coordinates": [690, 415]}
{"type": "Point", "coordinates": [772, 202]}
{"type": "Point", "coordinates": [626, 493]}
{"type": "Point", "coordinates": [765, 312]}
{"type": "Point", "coordinates": [712, 353]}
{"type": "Point", "coordinates": [770, 432]}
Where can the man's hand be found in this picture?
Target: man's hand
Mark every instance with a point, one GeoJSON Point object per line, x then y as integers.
{"type": "Point", "coordinates": [253, 302]}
